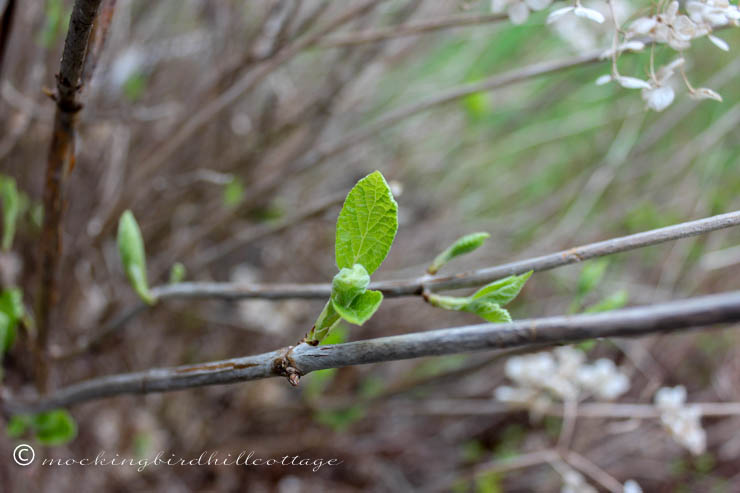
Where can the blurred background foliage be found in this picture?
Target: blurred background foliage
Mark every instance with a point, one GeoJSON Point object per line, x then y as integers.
{"type": "Point", "coordinates": [544, 164]}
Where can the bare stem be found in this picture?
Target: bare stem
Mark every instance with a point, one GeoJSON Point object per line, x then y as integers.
{"type": "Point", "coordinates": [60, 162]}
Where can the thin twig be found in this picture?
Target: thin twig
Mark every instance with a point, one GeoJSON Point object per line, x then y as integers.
{"type": "Point", "coordinates": [415, 286]}
{"type": "Point", "coordinates": [294, 362]}
{"type": "Point", "coordinates": [593, 471]}
{"type": "Point", "coordinates": [352, 138]}
{"type": "Point", "coordinates": [248, 81]}
{"type": "Point", "coordinates": [410, 29]}
{"type": "Point", "coordinates": [247, 236]}
{"type": "Point", "coordinates": [409, 287]}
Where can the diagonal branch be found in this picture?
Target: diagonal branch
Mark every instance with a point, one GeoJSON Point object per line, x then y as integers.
{"type": "Point", "coordinates": [303, 359]}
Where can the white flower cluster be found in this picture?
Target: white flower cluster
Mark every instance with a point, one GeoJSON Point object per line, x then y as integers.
{"type": "Point", "coordinates": [682, 421]}
{"type": "Point", "coordinates": [562, 374]}
{"type": "Point", "coordinates": [668, 26]}
{"type": "Point", "coordinates": [677, 31]}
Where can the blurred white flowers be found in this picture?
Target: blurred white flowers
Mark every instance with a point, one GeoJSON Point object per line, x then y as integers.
{"type": "Point", "coordinates": [631, 486]}
{"type": "Point", "coordinates": [681, 420]}
{"type": "Point", "coordinates": [578, 10]}
{"type": "Point", "coordinates": [518, 10]}
{"type": "Point", "coordinates": [574, 482]}
{"type": "Point", "coordinates": [660, 95]}
{"type": "Point", "coordinates": [562, 374]}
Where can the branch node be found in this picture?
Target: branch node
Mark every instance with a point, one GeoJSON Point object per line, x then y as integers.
{"type": "Point", "coordinates": [286, 367]}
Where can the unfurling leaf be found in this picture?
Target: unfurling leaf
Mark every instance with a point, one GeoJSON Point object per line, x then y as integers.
{"type": "Point", "coordinates": [362, 307]}
{"type": "Point", "coordinates": [367, 224]}
{"type": "Point", "coordinates": [502, 291]}
{"type": "Point", "coordinates": [349, 284]}
{"type": "Point", "coordinates": [487, 301]}
{"type": "Point", "coordinates": [489, 311]}
{"type": "Point", "coordinates": [10, 202]}
{"type": "Point", "coordinates": [133, 256]}
{"type": "Point", "coordinates": [464, 245]}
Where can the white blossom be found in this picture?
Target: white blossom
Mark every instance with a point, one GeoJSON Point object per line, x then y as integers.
{"type": "Point", "coordinates": [518, 10]}
{"type": "Point", "coordinates": [556, 14]}
{"type": "Point", "coordinates": [632, 45]}
{"type": "Point", "coordinates": [579, 10]}
{"type": "Point", "coordinates": [632, 82]}
{"type": "Point", "coordinates": [590, 14]}
{"type": "Point", "coordinates": [660, 95]}
{"type": "Point", "coordinates": [704, 93]}
{"type": "Point", "coordinates": [712, 12]}
{"type": "Point", "coordinates": [562, 374]}
{"type": "Point", "coordinates": [719, 42]}
{"type": "Point", "coordinates": [658, 98]}
{"type": "Point", "coordinates": [681, 420]}
{"type": "Point", "coordinates": [631, 486]}
{"type": "Point", "coordinates": [604, 79]}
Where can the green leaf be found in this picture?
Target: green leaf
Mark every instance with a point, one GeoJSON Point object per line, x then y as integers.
{"type": "Point", "coordinates": [489, 311]}
{"type": "Point", "coordinates": [54, 427]}
{"type": "Point", "coordinates": [482, 307]}
{"type": "Point", "coordinates": [177, 273]}
{"type": "Point", "coordinates": [591, 276]}
{"type": "Point", "coordinates": [502, 291]}
{"type": "Point", "coordinates": [367, 224]}
{"type": "Point", "coordinates": [7, 334]}
{"type": "Point", "coordinates": [10, 201]}
{"type": "Point", "coordinates": [234, 192]}
{"type": "Point", "coordinates": [133, 256]}
{"type": "Point", "coordinates": [349, 284]}
{"type": "Point", "coordinates": [361, 309]}
{"type": "Point", "coordinates": [11, 311]}
{"type": "Point", "coordinates": [18, 425]}
{"type": "Point", "coordinates": [464, 245]}
{"type": "Point", "coordinates": [11, 303]}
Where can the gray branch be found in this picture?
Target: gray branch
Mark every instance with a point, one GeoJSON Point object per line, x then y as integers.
{"type": "Point", "coordinates": [304, 358]}
{"type": "Point", "coordinates": [415, 286]}
{"type": "Point", "coordinates": [406, 287]}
